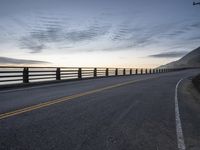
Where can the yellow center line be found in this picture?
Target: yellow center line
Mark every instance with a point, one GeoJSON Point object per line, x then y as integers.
{"type": "Point", "coordinates": [66, 98]}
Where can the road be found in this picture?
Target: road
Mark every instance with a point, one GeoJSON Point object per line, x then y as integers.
{"type": "Point", "coordinates": [115, 113]}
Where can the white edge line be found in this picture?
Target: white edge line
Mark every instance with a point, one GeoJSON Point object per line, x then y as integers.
{"type": "Point", "coordinates": [179, 131]}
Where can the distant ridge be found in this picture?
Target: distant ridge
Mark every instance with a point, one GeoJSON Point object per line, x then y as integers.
{"type": "Point", "coordinates": [190, 60]}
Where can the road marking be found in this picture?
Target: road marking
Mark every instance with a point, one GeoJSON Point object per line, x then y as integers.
{"type": "Point", "coordinates": [66, 98]}
{"type": "Point", "coordinates": [179, 131]}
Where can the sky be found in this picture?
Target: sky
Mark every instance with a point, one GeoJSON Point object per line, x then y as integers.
{"type": "Point", "coordinates": [97, 33]}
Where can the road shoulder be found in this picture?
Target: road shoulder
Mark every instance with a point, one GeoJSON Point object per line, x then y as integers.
{"type": "Point", "coordinates": [189, 101]}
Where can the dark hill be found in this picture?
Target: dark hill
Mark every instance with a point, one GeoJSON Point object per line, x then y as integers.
{"type": "Point", "coordinates": [190, 60]}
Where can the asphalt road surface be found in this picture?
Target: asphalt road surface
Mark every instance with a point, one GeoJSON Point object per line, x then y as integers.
{"type": "Point", "coordinates": [115, 113]}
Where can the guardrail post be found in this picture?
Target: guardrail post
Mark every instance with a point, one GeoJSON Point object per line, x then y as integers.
{"type": "Point", "coordinates": [146, 71]}
{"type": "Point", "coordinates": [95, 72]}
{"type": "Point", "coordinates": [107, 72]}
{"type": "Point", "coordinates": [124, 72]}
{"type": "Point", "coordinates": [116, 72]}
{"type": "Point", "coordinates": [141, 71]}
{"type": "Point", "coordinates": [25, 75]}
{"type": "Point", "coordinates": [131, 71]}
{"type": "Point", "coordinates": [136, 71]}
{"type": "Point", "coordinates": [57, 73]}
{"type": "Point", "coordinates": [79, 73]}
{"type": "Point", "coordinates": [150, 71]}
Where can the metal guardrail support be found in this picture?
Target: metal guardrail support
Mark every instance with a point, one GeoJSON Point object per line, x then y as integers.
{"type": "Point", "coordinates": [25, 75]}
{"type": "Point", "coordinates": [58, 74]}
{"type": "Point", "coordinates": [136, 71]}
{"type": "Point", "coordinates": [131, 71]}
{"type": "Point", "coordinates": [107, 72]}
{"type": "Point", "coordinates": [116, 72]}
{"type": "Point", "coordinates": [150, 71]}
{"type": "Point", "coordinates": [95, 72]}
{"type": "Point", "coordinates": [141, 71]}
{"type": "Point", "coordinates": [79, 73]}
{"type": "Point", "coordinates": [124, 71]}
{"type": "Point", "coordinates": [146, 71]}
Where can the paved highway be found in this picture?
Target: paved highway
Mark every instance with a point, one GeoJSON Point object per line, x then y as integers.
{"type": "Point", "coordinates": [142, 112]}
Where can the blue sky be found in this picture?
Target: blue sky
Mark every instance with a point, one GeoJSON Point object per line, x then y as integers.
{"type": "Point", "coordinates": [114, 33]}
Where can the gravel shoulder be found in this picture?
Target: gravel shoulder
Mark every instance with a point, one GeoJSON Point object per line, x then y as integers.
{"type": "Point", "coordinates": [189, 105]}
{"type": "Point", "coordinates": [196, 82]}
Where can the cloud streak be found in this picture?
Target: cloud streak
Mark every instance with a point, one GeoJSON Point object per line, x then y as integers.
{"type": "Point", "coordinates": [169, 54]}
{"type": "Point", "coordinates": [8, 61]}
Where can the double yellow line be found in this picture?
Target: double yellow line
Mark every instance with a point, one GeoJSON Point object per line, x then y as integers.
{"type": "Point", "coordinates": [56, 101]}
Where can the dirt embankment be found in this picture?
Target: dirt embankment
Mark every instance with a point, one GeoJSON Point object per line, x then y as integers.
{"type": "Point", "coordinates": [196, 82]}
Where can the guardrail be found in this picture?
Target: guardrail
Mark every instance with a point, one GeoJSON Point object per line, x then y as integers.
{"type": "Point", "coordinates": [16, 75]}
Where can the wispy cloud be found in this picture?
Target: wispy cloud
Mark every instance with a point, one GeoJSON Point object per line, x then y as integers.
{"type": "Point", "coordinates": [169, 54]}
{"type": "Point", "coordinates": [53, 31]}
{"type": "Point", "coordinates": [88, 34]}
{"type": "Point", "coordinates": [8, 61]}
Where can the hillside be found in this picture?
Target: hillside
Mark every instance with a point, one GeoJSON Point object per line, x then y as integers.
{"type": "Point", "coordinates": [190, 60]}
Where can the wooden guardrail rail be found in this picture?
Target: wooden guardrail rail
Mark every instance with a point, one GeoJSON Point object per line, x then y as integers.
{"type": "Point", "coordinates": [15, 75]}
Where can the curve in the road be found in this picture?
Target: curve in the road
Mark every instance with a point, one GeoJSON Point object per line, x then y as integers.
{"type": "Point", "coordinates": [52, 102]}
